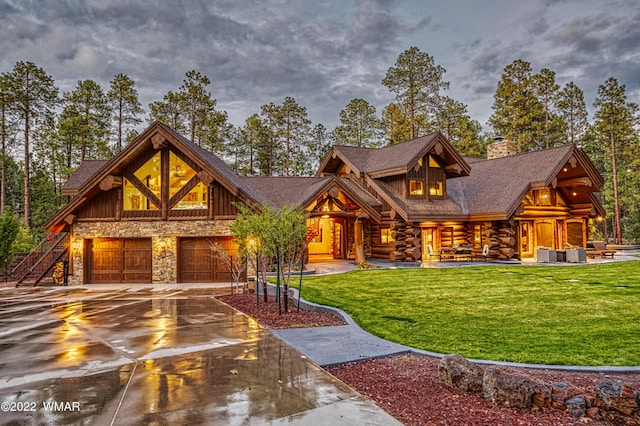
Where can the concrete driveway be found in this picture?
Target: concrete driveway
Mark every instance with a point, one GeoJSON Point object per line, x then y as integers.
{"type": "Point", "coordinates": [157, 355]}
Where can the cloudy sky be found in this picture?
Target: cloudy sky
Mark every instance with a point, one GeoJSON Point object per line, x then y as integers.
{"type": "Point", "coordinates": [322, 53]}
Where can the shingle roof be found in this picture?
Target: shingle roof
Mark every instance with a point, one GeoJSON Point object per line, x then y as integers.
{"type": "Point", "coordinates": [280, 190]}
{"type": "Point", "coordinates": [86, 169]}
{"type": "Point", "coordinates": [498, 185]}
{"type": "Point", "coordinates": [392, 156]}
{"type": "Point", "coordinates": [417, 210]}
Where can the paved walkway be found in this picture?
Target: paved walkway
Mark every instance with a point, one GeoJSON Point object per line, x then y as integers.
{"type": "Point", "coordinates": [134, 355]}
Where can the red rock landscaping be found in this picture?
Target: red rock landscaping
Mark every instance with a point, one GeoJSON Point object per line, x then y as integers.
{"type": "Point", "coordinates": [408, 386]}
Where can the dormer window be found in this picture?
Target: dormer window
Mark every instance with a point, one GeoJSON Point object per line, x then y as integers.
{"type": "Point", "coordinates": [436, 179]}
{"type": "Point", "coordinates": [416, 188]}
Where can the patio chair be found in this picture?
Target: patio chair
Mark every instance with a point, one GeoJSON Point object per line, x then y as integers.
{"type": "Point", "coordinates": [430, 252]}
{"type": "Point", "coordinates": [601, 247]}
{"type": "Point", "coordinates": [484, 254]}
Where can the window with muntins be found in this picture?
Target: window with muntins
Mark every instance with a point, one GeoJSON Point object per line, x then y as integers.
{"type": "Point", "coordinates": [437, 190]}
{"type": "Point", "coordinates": [146, 187]}
{"type": "Point", "coordinates": [416, 187]}
{"type": "Point", "coordinates": [148, 175]}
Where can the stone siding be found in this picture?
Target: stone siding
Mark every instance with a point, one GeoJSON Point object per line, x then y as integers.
{"type": "Point", "coordinates": [164, 240]}
{"type": "Point", "coordinates": [502, 148]}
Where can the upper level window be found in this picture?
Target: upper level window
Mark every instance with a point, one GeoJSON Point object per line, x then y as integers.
{"type": "Point", "coordinates": [180, 175]}
{"type": "Point", "coordinates": [416, 187]}
{"type": "Point", "coordinates": [155, 179]}
{"type": "Point", "coordinates": [546, 197]}
{"type": "Point", "coordinates": [436, 179]}
{"type": "Point", "coordinates": [149, 176]}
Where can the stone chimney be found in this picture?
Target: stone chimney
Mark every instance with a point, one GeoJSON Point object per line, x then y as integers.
{"type": "Point", "coordinates": [501, 147]}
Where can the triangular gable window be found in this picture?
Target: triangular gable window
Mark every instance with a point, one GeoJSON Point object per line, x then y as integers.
{"type": "Point", "coordinates": [185, 190]}
{"type": "Point", "coordinates": [164, 176]}
{"type": "Point", "coordinates": [142, 192]}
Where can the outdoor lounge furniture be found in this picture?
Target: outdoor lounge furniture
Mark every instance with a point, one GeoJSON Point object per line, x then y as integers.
{"type": "Point", "coordinates": [455, 253]}
{"type": "Point", "coordinates": [576, 255]}
{"type": "Point", "coordinates": [481, 254]}
{"type": "Point", "coordinates": [600, 249]}
{"type": "Point", "coordinates": [546, 255]}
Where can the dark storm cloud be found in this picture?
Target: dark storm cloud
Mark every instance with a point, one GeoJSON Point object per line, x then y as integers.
{"type": "Point", "coordinates": [321, 53]}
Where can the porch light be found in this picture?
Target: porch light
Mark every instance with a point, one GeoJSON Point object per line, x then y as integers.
{"type": "Point", "coordinates": [76, 247]}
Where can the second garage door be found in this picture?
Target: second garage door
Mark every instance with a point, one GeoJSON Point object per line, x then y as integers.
{"type": "Point", "coordinates": [198, 263]}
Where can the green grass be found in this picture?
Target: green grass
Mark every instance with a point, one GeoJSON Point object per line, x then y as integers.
{"type": "Point", "coordinates": [579, 315]}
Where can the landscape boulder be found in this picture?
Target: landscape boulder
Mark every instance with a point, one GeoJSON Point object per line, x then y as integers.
{"type": "Point", "coordinates": [509, 389]}
{"type": "Point", "coordinates": [561, 392]}
{"type": "Point", "coordinates": [460, 373]}
{"type": "Point", "coordinates": [616, 396]}
{"type": "Point", "coordinates": [576, 406]}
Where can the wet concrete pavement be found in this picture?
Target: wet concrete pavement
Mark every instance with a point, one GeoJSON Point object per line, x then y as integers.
{"type": "Point", "coordinates": [163, 355]}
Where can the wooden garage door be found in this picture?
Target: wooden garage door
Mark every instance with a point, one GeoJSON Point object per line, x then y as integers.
{"type": "Point", "coordinates": [117, 260]}
{"type": "Point", "coordinates": [198, 263]}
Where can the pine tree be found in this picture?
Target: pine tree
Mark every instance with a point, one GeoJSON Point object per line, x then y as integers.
{"type": "Point", "coordinates": [518, 114]}
{"type": "Point", "coordinates": [7, 127]}
{"type": "Point", "coordinates": [33, 96]}
{"type": "Point", "coordinates": [416, 81]}
{"type": "Point", "coordinates": [288, 130]}
{"type": "Point", "coordinates": [87, 114]}
{"type": "Point", "coordinates": [572, 108]}
{"type": "Point", "coordinates": [359, 125]}
{"type": "Point", "coordinates": [615, 121]}
{"type": "Point", "coordinates": [125, 105]}
{"type": "Point", "coordinates": [170, 111]}
{"type": "Point", "coordinates": [454, 122]}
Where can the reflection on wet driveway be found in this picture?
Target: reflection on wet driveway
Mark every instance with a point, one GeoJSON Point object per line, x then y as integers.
{"type": "Point", "coordinates": [148, 357]}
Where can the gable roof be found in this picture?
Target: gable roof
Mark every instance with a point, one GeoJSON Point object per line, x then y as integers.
{"type": "Point", "coordinates": [303, 191]}
{"type": "Point", "coordinates": [496, 187]}
{"type": "Point", "coordinates": [84, 183]}
{"type": "Point", "coordinates": [85, 170]}
{"type": "Point", "coordinates": [393, 159]}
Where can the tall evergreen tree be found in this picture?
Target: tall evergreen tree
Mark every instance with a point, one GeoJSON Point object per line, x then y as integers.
{"type": "Point", "coordinates": [192, 110]}
{"type": "Point", "coordinates": [33, 95]}
{"type": "Point", "coordinates": [198, 103]}
{"type": "Point", "coordinates": [416, 81]}
{"type": "Point", "coordinates": [615, 126]}
{"type": "Point", "coordinates": [256, 140]}
{"type": "Point", "coordinates": [320, 144]}
{"type": "Point", "coordinates": [454, 122]}
{"type": "Point", "coordinates": [396, 124]}
{"type": "Point", "coordinates": [517, 112]}
{"type": "Point", "coordinates": [546, 89]}
{"type": "Point", "coordinates": [170, 111]}
{"type": "Point", "coordinates": [126, 107]}
{"type": "Point", "coordinates": [289, 130]}
{"type": "Point", "coordinates": [572, 108]}
{"type": "Point", "coordinates": [7, 129]}
{"type": "Point", "coordinates": [359, 125]}
{"type": "Point", "coordinates": [88, 114]}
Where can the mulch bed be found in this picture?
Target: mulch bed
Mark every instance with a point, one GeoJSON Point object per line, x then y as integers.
{"type": "Point", "coordinates": [267, 313]}
{"type": "Point", "coordinates": [407, 386]}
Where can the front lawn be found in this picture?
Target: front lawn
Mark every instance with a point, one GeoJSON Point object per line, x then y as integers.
{"type": "Point", "coordinates": [574, 315]}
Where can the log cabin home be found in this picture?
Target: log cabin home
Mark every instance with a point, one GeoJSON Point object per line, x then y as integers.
{"type": "Point", "coordinates": [149, 214]}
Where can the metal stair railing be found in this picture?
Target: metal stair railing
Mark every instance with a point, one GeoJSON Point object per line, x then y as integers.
{"type": "Point", "coordinates": [42, 258]}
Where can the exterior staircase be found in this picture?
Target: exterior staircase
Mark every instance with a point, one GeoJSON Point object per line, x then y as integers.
{"type": "Point", "coordinates": [37, 264]}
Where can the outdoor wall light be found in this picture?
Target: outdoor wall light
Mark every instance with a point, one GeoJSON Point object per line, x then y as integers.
{"type": "Point", "coordinates": [76, 247]}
